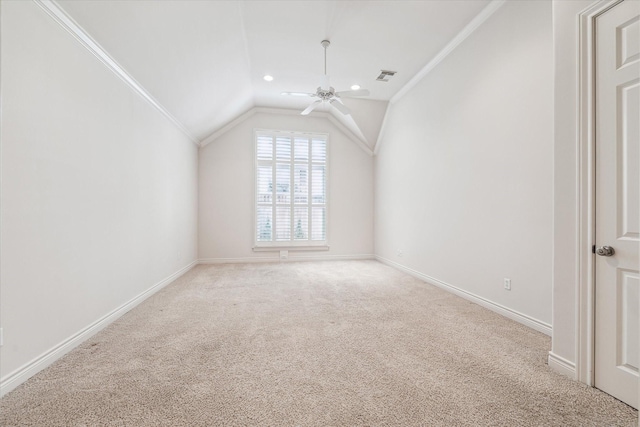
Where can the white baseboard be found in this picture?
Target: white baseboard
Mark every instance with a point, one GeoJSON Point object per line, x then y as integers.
{"type": "Point", "coordinates": [529, 321]}
{"type": "Point", "coordinates": [20, 375]}
{"type": "Point", "coordinates": [562, 365]}
{"type": "Point", "coordinates": [292, 258]}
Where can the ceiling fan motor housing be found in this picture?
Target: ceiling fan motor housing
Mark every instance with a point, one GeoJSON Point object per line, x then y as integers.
{"type": "Point", "coordinates": [326, 95]}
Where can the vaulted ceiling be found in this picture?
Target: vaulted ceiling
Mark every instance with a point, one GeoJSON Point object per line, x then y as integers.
{"type": "Point", "coordinates": [204, 61]}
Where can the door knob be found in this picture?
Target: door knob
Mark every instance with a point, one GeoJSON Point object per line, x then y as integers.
{"type": "Point", "coordinates": [605, 251]}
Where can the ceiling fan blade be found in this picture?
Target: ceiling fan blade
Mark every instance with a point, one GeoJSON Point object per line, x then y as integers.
{"type": "Point", "coordinates": [340, 106]}
{"type": "Point", "coordinates": [297, 94]}
{"type": "Point", "coordinates": [311, 107]}
{"type": "Point", "coordinates": [350, 93]}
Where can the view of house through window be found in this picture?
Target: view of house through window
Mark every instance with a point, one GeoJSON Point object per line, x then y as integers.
{"type": "Point", "coordinates": [291, 182]}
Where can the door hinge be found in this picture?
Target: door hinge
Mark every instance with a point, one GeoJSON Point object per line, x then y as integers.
{"type": "Point", "coordinates": [593, 249]}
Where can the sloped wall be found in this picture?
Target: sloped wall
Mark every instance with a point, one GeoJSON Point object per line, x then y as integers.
{"type": "Point", "coordinates": [226, 188]}
{"type": "Point", "coordinates": [464, 173]}
{"type": "Point", "coordinates": [98, 193]}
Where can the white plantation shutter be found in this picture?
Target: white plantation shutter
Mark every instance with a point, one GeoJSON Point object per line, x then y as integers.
{"type": "Point", "coordinates": [318, 188]}
{"type": "Point", "coordinates": [291, 187]}
{"type": "Point", "coordinates": [264, 188]}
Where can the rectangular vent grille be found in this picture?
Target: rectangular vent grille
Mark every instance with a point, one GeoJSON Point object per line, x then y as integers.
{"type": "Point", "coordinates": [385, 75]}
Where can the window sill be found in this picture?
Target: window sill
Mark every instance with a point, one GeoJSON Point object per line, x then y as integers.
{"type": "Point", "coordinates": [290, 248]}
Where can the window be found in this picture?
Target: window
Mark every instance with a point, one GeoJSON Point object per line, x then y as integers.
{"type": "Point", "coordinates": [291, 189]}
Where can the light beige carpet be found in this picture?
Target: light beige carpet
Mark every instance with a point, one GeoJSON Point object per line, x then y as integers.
{"type": "Point", "coordinates": [349, 343]}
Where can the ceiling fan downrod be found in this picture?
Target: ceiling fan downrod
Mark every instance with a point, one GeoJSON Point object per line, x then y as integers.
{"type": "Point", "coordinates": [325, 44]}
{"type": "Point", "coordinates": [325, 93]}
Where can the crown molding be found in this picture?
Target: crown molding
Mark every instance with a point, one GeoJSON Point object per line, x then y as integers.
{"type": "Point", "coordinates": [289, 112]}
{"type": "Point", "coordinates": [376, 146]}
{"type": "Point", "coordinates": [353, 137]}
{"type": "Point", "coordinates": [85, 40]}
{"type": "Point", "coordinates": [227, 127]}
{"type": "Point", "coordinates": [476, 22]}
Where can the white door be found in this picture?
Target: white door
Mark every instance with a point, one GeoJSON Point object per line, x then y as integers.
{"type": "Point", "coordinates": [617, 180]}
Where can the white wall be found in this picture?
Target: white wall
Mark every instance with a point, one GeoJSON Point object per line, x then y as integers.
{"type": "Point", "coordinates": [464, 174]}
{"type": "Point", "coordinates": [99, 190]}
{"type": "Point", "coordinates": [226, 189]}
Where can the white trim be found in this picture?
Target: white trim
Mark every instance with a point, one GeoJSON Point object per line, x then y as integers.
{"type": "Point", "coordinates": [383, 127]}
{"type": "Point", "coordinates": [306, 244]}
{"type": "Point", "coordinates": [228, 126]}
{"type": "Point", "coordinates": [475, 23]}
{"type": "Point", "coordinates": [561, 365]}
{"type": "Point", "coordinates": [322, 114]}
{"type": "Point", "coordinates": [450, 47]}
{"type": "Point", "coordinates": [292, 258]}
{"type": "Point", "coordinates": [287, 247]}
{"type": "Point", "coordinates": [285, 111]}
{"type": "Point", "coordinates": [73, 28]}
{"type": "Point", "coordinates": [585, 208]}
{"type": "Point", "coordinates": [20, 375]}
{"type": "Point", "coordinates": [524, 319]}
{"type": "Point", "coordinates": [359, 142]}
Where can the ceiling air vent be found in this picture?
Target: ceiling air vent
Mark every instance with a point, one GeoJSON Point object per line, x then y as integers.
{"type": "Point", "coordinates": [385, 75]}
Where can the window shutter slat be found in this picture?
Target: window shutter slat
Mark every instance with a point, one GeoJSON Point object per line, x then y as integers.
{"type": "Point", "coordinates": [301, 184]}
{"type": "Point", "coordinates": [318, 189]}
{"type": "Point", "coordinates": [283, 223]}
{"type": "Point", "coordinates": [319, 150]}
{"type": "Point", "coordinates": [283, 148]}
{"type": "Point", "coordinates": [291, 190]}
{"type": "Point", "coordinates": [283, 181]}
{"type": "Point", "coordinates": [318, 222]}
{"type": "Point", "coordinates": [301, 223]}
{"type": "Point", "coordinates": [264, 147]}
{"type": "Point", "coordinates": [265, 184]}
{"type": "Point", "coordinates": [301, 149]}
{"type": "Point", "coordinates": [265, 224]}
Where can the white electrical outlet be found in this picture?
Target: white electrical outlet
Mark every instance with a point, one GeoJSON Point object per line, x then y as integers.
{"type": "Point", "coordinates": [179, 256]}
{"type": "Point", "coordinates": [507, 284]}
{"type": "Point", "coordinates": [284, 254]}
{"type": "Point", "coordinates": [399, 252]}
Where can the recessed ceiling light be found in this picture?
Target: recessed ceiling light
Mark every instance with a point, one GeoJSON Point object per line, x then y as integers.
{"type": "Point", "coordinates": [355, 87]}
{"type": "Point", "coordinates": [268, 78]}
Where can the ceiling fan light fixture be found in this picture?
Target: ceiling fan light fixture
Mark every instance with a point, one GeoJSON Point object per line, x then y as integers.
{"type": "Point", "coordinates": [327, 94]}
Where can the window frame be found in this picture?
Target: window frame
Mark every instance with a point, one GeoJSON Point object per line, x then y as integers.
{"type": "Point", "coordinates": [293, 245]}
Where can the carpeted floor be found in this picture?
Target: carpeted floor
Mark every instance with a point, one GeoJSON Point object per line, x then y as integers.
{"type": "Point", "coordinates": [353, 343]}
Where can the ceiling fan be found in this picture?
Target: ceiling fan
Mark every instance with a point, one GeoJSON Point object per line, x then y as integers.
{"type": "Point", "coordinates": [325, 93]}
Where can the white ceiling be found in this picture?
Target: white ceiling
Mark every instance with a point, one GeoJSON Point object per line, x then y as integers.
{"type": "Point", "coordinates": [204, 60]}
